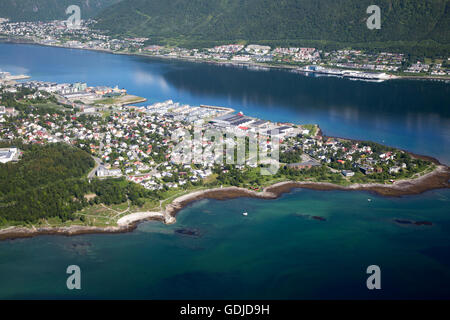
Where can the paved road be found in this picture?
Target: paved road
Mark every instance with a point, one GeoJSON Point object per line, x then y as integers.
{"type": "Point", "coordinates": [98, 162]}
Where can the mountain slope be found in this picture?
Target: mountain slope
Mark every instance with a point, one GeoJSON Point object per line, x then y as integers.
{"type": "Point", "coordinates": [404, 22]}
{"type": "Point", "coordinates": [45, 10]}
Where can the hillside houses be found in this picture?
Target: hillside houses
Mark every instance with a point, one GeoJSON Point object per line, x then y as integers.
{"type": "Point", "coordinates": [55, 33]}
{"type": "Point", "coordinates": [139, 142]}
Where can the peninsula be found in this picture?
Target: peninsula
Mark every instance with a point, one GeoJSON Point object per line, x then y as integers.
{"type": "Point", "coordinates": [72, 168]}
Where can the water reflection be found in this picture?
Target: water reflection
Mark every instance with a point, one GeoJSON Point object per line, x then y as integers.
{"type": "Point", "coordinates": [309, 94]}
{"type": "Point", "coordinates": [145, 78]}
{"type": "Point", "coordinates": [413, 115]}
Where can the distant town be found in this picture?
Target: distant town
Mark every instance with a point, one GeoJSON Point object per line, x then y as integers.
{"type": "Point", "coordinates": [354, 64]}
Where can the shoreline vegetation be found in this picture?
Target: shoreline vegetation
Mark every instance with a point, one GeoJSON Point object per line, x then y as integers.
{"type": "Point", "coordinates": [437, 179]}
{"type": "Point", "coordinates": [220, 63]}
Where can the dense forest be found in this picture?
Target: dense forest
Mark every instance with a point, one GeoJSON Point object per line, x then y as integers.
{"type": "Point", "coordinates": [46, 10]}
{"type": "Point", "coordinates": [49, 181]}
{"type": "Point", "coordinates": [43, 183]}
{"type": "Point", "coordinates": [411, 26]}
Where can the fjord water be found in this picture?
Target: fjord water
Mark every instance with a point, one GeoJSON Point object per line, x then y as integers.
{"type": "Point", "coordinates": [278, 251]}
{"type": "Point", "coordinates": [414, 115]}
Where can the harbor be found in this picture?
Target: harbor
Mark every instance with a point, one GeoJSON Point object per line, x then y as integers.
{"type": "Point", "coordinates": [8, 78]}
{"type": "Point", "coordinates": [348, 74]}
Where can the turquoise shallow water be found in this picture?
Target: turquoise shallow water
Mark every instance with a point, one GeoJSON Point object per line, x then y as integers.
{"type": "Point", "coordinates": [273, 253]}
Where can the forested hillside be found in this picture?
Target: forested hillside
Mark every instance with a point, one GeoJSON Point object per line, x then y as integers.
{"type": "Point", "coordinates": [50, 181]}
{"type": "Point", "coordinates": [404, 23]}
{"type": "Point", "coordinates": [45, 10]}
{"type": "Point", "coordinates": [43, 183]}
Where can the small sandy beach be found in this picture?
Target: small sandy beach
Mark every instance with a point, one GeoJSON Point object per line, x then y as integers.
{"type": "Point", "coordinates": [138, 216]}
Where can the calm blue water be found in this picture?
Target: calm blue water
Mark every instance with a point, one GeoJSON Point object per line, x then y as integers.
{"type": "Point", "coordinates": [273, 253]}
{"type": "Point", "coordinates": [414, 115]}
{"type": "Point", "coordinates": [277, 251]}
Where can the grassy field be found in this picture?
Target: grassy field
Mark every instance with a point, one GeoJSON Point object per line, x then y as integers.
{"type": "Point", "coordinates": [122, 100]}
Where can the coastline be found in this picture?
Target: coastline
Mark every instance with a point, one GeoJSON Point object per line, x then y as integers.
{"type": "Point", "coordinates": [12, 233]}
{"type": "Point", "coordinates": [437, 179]}
{"type": "Point", "coordinates": [220, 63]}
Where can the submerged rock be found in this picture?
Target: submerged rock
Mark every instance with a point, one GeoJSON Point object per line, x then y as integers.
{"type": "Point", "coordinates": [308, 216]}
{"type": "Point", "coordinates": [423, 223]}
{"type": "Point", "coordinates": [416, 223]}
{"type": "Point", "coordinates": [403, 221]}
{"type": "Point", "coordinates": [188, 232]}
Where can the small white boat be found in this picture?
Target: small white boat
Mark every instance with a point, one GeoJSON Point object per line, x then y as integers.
{"type": "Point", "coordinates": [369, 200]}
{"type": "Point", "coordinates": [245, 214]}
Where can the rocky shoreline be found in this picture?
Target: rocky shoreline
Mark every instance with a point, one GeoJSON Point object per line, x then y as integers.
{"type": "Point", "coordinates": [12, 233]}
{"type": "Point", "coordinates": [22, 232]}
{"type": "Point", "coordinates": [437, 179]}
